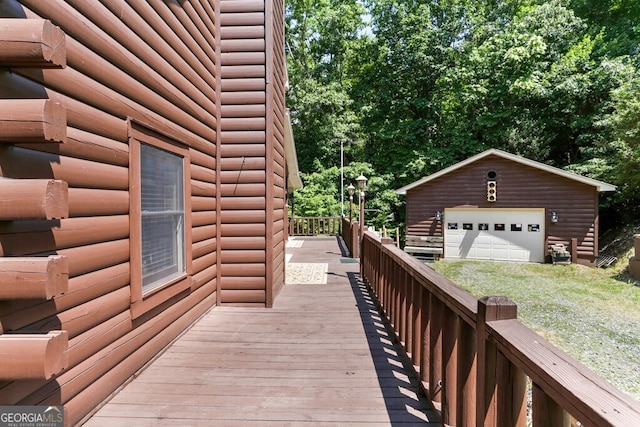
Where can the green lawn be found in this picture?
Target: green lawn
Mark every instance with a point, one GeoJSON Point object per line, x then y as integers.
{"type": "Point", "coordinates": [592, 314]}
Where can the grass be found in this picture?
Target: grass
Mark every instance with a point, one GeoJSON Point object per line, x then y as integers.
{"type": "Point", "coordinates": [592, 314]}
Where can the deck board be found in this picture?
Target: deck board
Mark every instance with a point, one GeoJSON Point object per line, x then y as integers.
{"type": "Point", "coordinates": [321, 356]}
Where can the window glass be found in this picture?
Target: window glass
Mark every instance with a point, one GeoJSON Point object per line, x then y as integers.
{"type": "Point", "coordinates": [516, 227]}
{"type": "Point", "coordinates": [535, 228]}
{"type": "Point", "coordinates": [162, 216]}
{"type": "Point", "coordinates": [483, 227]}
{"type": "Point", "coordinates": [467, 226]}
{"type": "Point", "coordinates": [498, 227]}
{"type": "Point", "coordinates": [452, 226]}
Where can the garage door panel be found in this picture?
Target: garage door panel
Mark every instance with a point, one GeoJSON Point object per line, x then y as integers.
{"type": "Point", "coordinates": [495, 234]}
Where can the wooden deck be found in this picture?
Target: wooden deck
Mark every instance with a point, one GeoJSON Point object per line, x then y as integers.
{"type": "Point", "coordinates": [321, 356]}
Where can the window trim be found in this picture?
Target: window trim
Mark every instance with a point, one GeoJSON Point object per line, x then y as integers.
{"type": "Point", "coordinates": [142, 302]}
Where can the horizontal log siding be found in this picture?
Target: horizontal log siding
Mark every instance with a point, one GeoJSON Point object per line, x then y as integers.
{"type": "Point", "coordinates": [150, 62]}
{"type": "Point", "coordinates": [244, 159]}
{"type": "Point", "coordinates": [518, 186]}
{"type": "Point", "coordinates": [277, 191]}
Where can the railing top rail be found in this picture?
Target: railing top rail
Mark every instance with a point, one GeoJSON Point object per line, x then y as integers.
{"type": "Point", "coordinates": [463, 303]}
{"type": "Point", "coordinates": [572, 385]}
{"type": "Point", "coordinates": [315, 217]}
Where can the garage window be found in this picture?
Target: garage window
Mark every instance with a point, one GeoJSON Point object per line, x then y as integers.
{"type": "Point", "coordinates": [467, 226]}
{"type": "Point", "coordinates": [499, 227]}
{"type": "Point", "coordinates": [534, 228]}
{"type": "Point", "coordinates": [516, 227]}
{"type": "Point", "coordinates": [452, 226]}
{"type": "Point", "coordinates": [483, 226]}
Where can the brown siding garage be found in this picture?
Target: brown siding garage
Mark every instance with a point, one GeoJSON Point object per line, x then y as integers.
{"type": "Point", "coordinates": [462, 192]}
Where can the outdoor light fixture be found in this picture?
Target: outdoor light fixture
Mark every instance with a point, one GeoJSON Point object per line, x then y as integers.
{"type": "Point", "coordinates": [438, 216]}
{"type": "Point", "coordinates": [351, 189]}
{"type": "Point", "coordinates": [554, 217]}
{"type": "Point", "coordinates": [362, 182]}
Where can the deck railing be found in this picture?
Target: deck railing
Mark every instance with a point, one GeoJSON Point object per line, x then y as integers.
{"type": "Point", "coordinates": [474, 357]}
{"type": "Point", "coordinates": [350, 231]}
{"type": "Point", "coordinates": [314, 226]}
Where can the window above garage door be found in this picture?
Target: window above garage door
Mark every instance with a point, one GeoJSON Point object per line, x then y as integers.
{"type": "Point", "coordinates": [494, 234]}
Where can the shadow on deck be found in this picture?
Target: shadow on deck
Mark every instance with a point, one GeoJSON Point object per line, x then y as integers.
{"type": "Point", "coordinates": [323, 355]}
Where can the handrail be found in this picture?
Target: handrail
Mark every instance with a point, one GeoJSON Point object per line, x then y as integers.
{"type": "Point", "coordinates": [473, 357]}
{"type": "Point", "coordinates": [314, 226]}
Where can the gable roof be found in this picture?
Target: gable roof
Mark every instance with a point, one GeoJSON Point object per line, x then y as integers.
{"type": "Point", "coordinates": [601, 186]}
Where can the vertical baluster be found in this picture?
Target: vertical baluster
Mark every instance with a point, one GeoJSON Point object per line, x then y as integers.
{"type": "Point", "coordinates": [410, 307]}
{"type": "Point", "coordinates": [397, 307]}
{"type": "Point", "coordinates": [416, 348]}
{"type": "Point", "coordinates": [384, 279]}
{"type": "Point", "coordinates": [381, 286]}
{"type": "Point", "coordinates": [546, 412]}
{"type": "Point", "coordinates": [512, 394]}
{"type": "Point", "coordinates": [425, 323]}
{"type": "Point", "coordinates": [383, 283]}
{"type": "Point", "coordinates": [467, 358]}
{"type": "Point", "coordinates": [388, 309]}
{"type": "Point", "coordinates": [435, 358]}
{"type": "Point", "coordinates": [450, 371]}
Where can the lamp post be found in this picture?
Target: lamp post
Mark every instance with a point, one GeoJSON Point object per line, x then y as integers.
{"type": "Point", "coordinates": [362, 184]}
{"type": "Point", "coordinates": [351, 189]}
{"type": "Point", "coordinates": [341, 179]}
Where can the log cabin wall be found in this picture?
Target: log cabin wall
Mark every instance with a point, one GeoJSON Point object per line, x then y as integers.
{"type": "Point", "coordinates": [251, 152]}
{"type": "Point", "coordinates": [276, 117]}
{"type": "Point", "coordinates": [519, 186]}
{"type": "Point", "coordinates": [109, 77]}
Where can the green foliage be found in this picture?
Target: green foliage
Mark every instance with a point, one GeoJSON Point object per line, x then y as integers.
{"type": "Point", "coordinates": [318, 196]}
{"type": "Point", "coordinates": [626, 123]}
{"type": "Point", "coordinates": [412, 86]}
{"type": "Point", "coordinates": [320, 38]}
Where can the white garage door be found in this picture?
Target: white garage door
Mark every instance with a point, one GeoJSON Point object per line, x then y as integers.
{"type": "Point", "coordinates": [494, 234]}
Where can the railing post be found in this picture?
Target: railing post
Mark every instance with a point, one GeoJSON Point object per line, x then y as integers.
{"type": "Point", "coordinates": [490, 309]}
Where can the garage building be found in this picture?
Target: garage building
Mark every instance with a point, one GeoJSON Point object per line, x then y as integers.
{"type": "Point", "coordinates": [503, 207]}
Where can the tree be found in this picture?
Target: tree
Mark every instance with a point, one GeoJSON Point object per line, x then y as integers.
{"type": "Point", "coordinates": [395, 82]}
{"type": "Point", "coordinates": [531, 88]}
{"type": "Point", "coordinates": [625, 120]}
{"type": "Point", "coordinates": [320, 36]}
{"type": "Point", "coordinates": [412, 86]}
